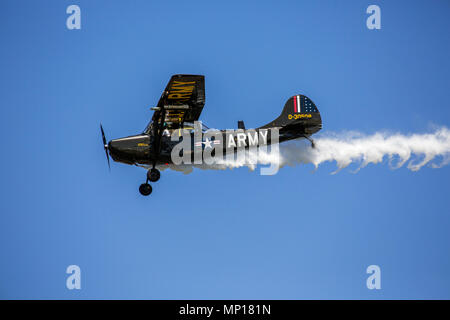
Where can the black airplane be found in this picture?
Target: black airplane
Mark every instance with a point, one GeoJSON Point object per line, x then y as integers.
{"type": "Point", "coordinates": [179, 106]}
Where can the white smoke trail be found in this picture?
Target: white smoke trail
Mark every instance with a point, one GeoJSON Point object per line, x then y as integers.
{"type": "Point", "coordinates": [349, 148]}
{"type": "Point", "coordinates": [416, 150]}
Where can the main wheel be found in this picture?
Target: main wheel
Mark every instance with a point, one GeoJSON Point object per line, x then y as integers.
{"type": "Point", "coordinates": [153, 175]}
{"type": "Point", "coordinates": [145, 189]}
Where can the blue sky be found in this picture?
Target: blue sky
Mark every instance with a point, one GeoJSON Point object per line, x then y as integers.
{"type": "Point", "coordinates": [219, 234]}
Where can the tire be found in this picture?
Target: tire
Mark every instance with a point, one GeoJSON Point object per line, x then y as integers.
{"type": "Point", "coordinates": [153, 175]}
{"type": "Point", "coordinates": [145, 189]}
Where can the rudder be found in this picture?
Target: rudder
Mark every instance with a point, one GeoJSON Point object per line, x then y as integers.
{"type": "Point", "coordinates": [299, 111]}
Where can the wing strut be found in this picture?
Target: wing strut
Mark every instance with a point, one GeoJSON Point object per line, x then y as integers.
{"type": "Point", "coordinates": [157, 134]}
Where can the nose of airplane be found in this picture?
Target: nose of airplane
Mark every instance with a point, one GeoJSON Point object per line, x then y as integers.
{"type": "Point", "coordinates": [118, 148]}
{"type": "Point", "coordinates": [128, 149]}
{"type": "Point", "coordinates": [113, 148]}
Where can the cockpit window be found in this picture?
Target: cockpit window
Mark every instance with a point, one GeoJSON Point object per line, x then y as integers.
{"type": "Point", "coordinates": [174, 126]}
{"type": "Point", "coordinates": [148, 128]}
{"type": "Point", "coordinates": [190, 125]}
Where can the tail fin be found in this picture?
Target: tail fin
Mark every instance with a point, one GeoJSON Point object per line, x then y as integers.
{"type": "Point", "coordinates": [300, 113]}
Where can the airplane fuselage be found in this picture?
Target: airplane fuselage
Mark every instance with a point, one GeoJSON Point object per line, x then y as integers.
{"type": "Point", "coordinates": [137, 149]}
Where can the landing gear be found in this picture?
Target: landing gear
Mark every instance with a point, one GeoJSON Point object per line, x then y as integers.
{"type": "Point", "coordinates": [313, 145]}
{"type": "Point", "coordinates": [153, 175]}
{"type": "Point", "coordinates": [145, 189]}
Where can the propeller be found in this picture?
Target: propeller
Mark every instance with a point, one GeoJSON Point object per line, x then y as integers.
{"type": "Point", "coordinates": [105, 146]}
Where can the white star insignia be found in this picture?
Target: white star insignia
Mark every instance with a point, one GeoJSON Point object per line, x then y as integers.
{"type": "Point", "coordinates": [207, 143]}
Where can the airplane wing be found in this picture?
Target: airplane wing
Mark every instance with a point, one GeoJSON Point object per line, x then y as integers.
{"type": "Point", "coordinates": [182, 100]}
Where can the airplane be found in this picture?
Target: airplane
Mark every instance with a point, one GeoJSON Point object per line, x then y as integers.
{"type": "Point", "coordinates": [179, 107]}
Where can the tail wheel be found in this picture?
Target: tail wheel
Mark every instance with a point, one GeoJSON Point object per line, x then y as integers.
{"type": "Point", "coordinates": [153, 175]}
{"type": "Point", "coordinates": [145, 189]}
